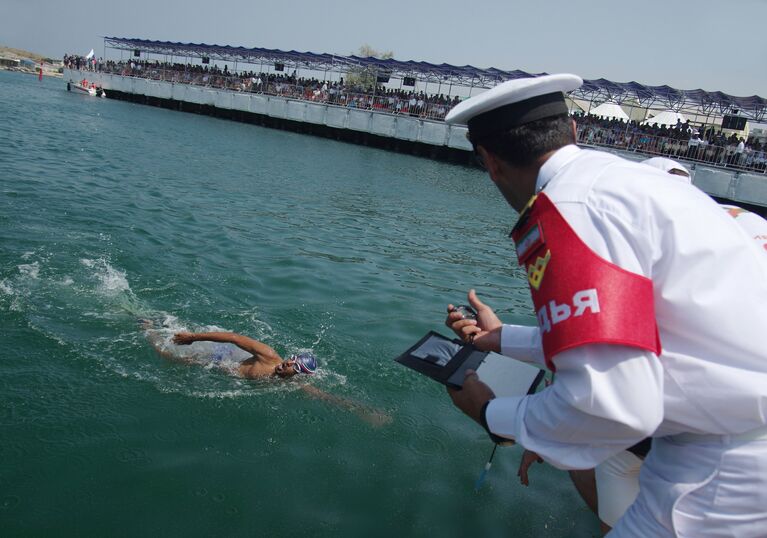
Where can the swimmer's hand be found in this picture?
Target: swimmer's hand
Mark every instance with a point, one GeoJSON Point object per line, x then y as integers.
{"type": "Point", "coordinates": [184, 339]}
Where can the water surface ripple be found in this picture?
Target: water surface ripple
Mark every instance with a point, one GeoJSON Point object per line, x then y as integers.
{"type": "Point", "coordinates": [111, 211]}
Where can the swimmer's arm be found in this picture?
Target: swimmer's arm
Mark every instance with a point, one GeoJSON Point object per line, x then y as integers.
{"type": "Point", "coordinates": [372, 416]}
{"type": "Point", "coordinates": [258, 349]}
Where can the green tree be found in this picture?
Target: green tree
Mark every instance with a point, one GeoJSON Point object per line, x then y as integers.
{"type": "Point", "coordinates": [366, 51]}
{"type": "Point", "coordinates": [366, 76]}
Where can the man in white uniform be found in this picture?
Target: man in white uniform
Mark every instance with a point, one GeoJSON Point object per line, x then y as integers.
{"type": "Point", "coordinates": [615, 481]}
{"type": "Point", "coordinates": [651, 306]}
{"type": "Point", "coordinates": [754, 225]}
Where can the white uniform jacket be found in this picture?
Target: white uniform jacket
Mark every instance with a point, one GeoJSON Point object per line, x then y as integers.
{"type": "Point", "coordinates": [705, 394]}
{"type": "Point", "coordinates": [710, 298]}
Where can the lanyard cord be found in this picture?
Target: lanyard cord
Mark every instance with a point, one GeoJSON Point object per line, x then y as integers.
{"type": "Point", "coordinates": [483, 474]}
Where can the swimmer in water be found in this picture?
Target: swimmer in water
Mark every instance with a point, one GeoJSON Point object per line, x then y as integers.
{"type": "Point", "coordinates": [263, 363]}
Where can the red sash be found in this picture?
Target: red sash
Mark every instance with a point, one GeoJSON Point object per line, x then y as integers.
{"type": "Point", "coordinates": [579, 297]}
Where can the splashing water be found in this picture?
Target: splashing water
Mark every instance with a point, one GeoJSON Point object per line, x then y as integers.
{"type": "Point", "coordinates": [112, 281]}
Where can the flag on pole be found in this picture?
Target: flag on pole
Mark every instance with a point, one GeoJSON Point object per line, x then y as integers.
{"type": "Point", "coordinates": [90, 55]}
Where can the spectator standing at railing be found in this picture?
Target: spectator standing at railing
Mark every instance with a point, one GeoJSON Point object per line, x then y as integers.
{"type": "Point", "coordinates": [738, 155]}
{"type": "Point", "coordinates": [420, 108]}
{"type": "Point", "coordinates": [760, 160]}
{"type": "Point", "coordinates": [692, 146]}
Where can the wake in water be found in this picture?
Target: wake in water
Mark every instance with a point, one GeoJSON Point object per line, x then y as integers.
{"type": "Point", "coordinates": [90, 306]}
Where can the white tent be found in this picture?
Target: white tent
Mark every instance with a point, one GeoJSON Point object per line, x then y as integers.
{"type": "Point", "coordinates": [610, 111]}
{"type": "Point", "coordinates": [668, 118]}
{"type": "Point", "coordinates": [576, 105]}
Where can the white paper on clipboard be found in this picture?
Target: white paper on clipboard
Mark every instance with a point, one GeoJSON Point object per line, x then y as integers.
{"type": "Point", "coordinates": [506, 376]}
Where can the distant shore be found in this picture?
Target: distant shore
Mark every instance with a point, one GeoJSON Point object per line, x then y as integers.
{"type": "Point", "coordinates": [46, 72]}
{"type": "Point", "coordinates": [51, 66]}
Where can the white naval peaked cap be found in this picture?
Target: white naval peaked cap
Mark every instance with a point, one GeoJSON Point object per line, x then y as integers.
{"type": "Point", "coordinates": [514, 103]}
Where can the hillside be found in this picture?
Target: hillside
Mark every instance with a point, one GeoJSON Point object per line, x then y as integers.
{"type": "Point", "coordinates": [51, 66]}
{"type": "Point", "coordinates": [18, 54]}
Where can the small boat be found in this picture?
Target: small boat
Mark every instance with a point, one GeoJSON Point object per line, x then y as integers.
{"type": "Point", "coordinates": [83, 86]}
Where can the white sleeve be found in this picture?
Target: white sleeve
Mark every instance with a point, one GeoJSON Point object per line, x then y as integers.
{"type": "Point", "coordinates": [522, 343]}
{"type": "Point", "coordinates": [592, 411]}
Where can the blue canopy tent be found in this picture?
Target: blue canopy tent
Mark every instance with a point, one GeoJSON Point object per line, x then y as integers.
{"type": "Point", "coordinates": [597, 90]}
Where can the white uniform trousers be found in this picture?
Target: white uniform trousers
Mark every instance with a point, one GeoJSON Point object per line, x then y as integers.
{"type": "Point", "coordinates": [617, 481]}
{"type": "Point", "coordinates": [701, 486]}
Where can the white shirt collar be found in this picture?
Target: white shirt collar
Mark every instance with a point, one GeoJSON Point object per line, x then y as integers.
{"type": "Point", "coordinates": [554, 163]}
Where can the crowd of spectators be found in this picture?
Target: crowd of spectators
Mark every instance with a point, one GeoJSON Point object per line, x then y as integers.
{"type": "Point", "coordinates": [395, 101]}
{"type": "Point", "coordinates": [706, 144]}
{"type": "Point", "coordinates": [83, 63]}
{"type": "Point", "coordinates": [683, 140]}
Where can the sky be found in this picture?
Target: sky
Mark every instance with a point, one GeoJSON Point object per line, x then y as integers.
{"type": "Point", "coordinates": [715, 45]}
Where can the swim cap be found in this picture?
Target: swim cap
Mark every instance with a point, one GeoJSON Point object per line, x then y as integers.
{"type": "Point", "coordinates": [306, 363]}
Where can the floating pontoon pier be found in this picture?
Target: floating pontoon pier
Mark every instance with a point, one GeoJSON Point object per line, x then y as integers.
{"type": "Point", "coordinates": [378, 124]}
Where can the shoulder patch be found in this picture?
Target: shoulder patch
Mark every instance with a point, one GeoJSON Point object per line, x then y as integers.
{"type": "Point", "coordinates": [536, 270]}
{"type": "Point", "coordinates": [529, 242]}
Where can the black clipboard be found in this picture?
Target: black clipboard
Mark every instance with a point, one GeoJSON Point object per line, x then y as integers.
{"type": "Point", "coordinates": [446, 361]}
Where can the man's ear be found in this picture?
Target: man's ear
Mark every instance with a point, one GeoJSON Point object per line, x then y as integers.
{"type": "Point", "coordinates": [492, 163]}
{"type": "Point", "coordinates": [575, 130]}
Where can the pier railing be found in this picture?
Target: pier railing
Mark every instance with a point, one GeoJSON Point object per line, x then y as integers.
{"type": "Point", "coordinates": [321, 93]}
{"type": "Point", "coordinates": [721, 154]}
{"type": "Point", "coordinates": [699, 151]}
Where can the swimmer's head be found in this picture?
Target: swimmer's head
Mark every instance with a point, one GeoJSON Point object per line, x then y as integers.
{"type": "Point", "coordinates": [304, 363]}
{"type": "Point", "coordinates": [670, 166]}
{"type": "Point", "coordinates": [300, 363]}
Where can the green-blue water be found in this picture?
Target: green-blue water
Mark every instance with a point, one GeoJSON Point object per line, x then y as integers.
{"type": "Point", "coordinates": [111, 211]}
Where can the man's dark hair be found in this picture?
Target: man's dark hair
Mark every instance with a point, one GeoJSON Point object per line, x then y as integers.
{"type": "Point", "coordinates": [522, 145]}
